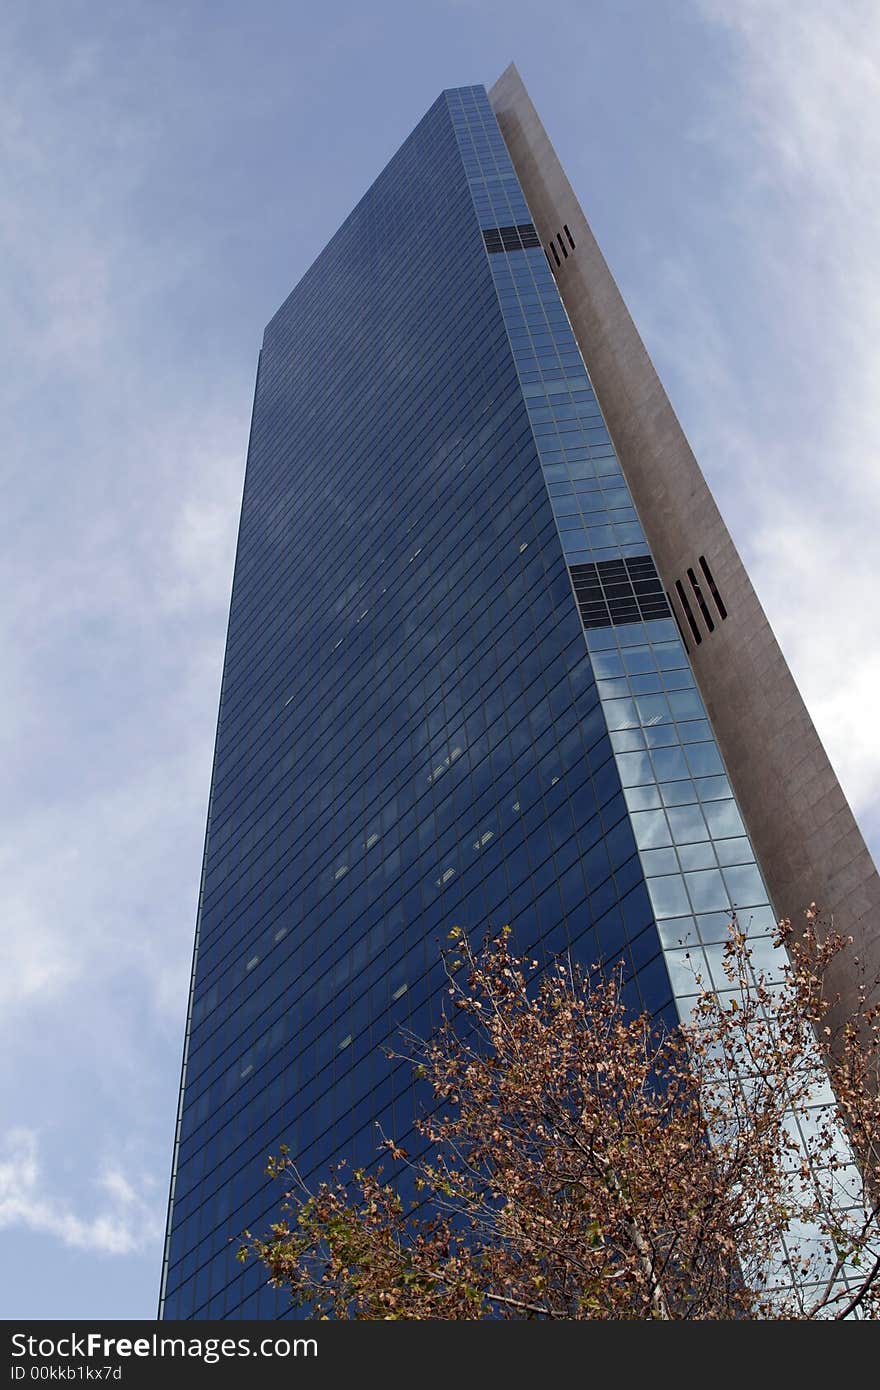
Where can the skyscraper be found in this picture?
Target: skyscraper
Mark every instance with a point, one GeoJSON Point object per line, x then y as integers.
{"type": "Point", "coordinates": [480, 608]}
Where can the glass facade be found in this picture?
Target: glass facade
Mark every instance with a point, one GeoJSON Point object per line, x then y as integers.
{"type": "Point", "coordinates": [421, 725]}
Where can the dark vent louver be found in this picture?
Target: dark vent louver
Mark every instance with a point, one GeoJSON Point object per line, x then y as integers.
{"type": "Point", "coordinates": [519, 238]}
{"type": "Point", "coordinates": [695, 585]}
{"type": "Point", "coordinates": [719, 602]}
{"type": "Point", "coordinates": [562, 246]}
{"type": "Point", "coordinates": [688, 612]}
{"type": "Point", "coordinates": [612, 592]}
{"type": "Point", "coordinates": [677, 623]}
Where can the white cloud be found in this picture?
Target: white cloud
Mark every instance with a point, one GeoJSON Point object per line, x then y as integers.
{"type": "Point", "coordinates": [126, 1221]}
{"type": "Point", "coordinates": [123, 450]}
{"type": "Point", "coordinates": [39, 963]}
{"type": "Point", "coordinates": [788, 425]}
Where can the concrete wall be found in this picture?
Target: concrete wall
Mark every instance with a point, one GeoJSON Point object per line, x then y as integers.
{"type": "Point", "coordinates": [802, 829]}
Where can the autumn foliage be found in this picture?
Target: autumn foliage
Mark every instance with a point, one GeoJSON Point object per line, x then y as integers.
{"type": "Point", "coordinates": [579, 1162]}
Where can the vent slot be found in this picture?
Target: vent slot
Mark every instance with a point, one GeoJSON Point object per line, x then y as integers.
{"type": "Point", "coordinates": [522, 237]}
{"type": "Point", "coordinates": [611, 592]}
{"type": "Point", "coordinates": [562, 246]}
{"type": "Point", "coordinates": [692, 622]}
{"type": "Point", "coordinates": [678, 623]}
{"type": "Point", "coordinates": [707, 616]}
{"type": "Point", "coordinates": [719, 602]}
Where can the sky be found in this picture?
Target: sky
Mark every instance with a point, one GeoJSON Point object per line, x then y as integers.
{"type": "Point", "coordinates": [169, 171]}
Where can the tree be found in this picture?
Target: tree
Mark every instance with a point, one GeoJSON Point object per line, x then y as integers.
{"type": "Point", "coordinates": [584, 1163]}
